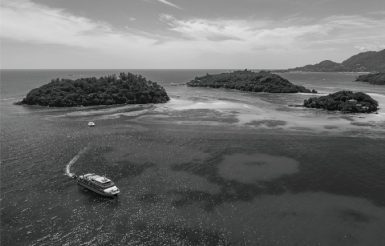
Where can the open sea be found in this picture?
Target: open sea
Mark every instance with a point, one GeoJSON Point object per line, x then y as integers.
{"type": "Point", "coordinates": [210, 167]}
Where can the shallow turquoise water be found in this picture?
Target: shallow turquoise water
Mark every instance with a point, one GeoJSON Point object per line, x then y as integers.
{"type": "Point", "coordinates": [211, 167]}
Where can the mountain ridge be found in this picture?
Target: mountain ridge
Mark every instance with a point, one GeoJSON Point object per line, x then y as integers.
{"type": "Point", "coordinates": [369, 61]}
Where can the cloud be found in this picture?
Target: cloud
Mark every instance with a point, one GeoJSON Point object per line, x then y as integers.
{"type": "Point", "coordinates": [267, 34]}
{"type": "Point", "coordinates": [37, 25]}
{"type": "Point", "coordinates": [30, 22]}
{"type": "Point", "coordinates": [213, 30]}
{"type": "Point", "coordinates": [370, 47]}
{"type": "Point", "coordinates": [169, 4]}
{"type": "Point", "coordinates": [240, 35]}
{"type": "Point", "coordinates": [207, 42]}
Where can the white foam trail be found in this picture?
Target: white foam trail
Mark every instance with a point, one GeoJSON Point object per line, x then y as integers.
{"type": "Point", "coordinates": [73, 160]}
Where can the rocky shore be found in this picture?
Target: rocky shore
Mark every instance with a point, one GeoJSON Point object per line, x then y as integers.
{"type": "Point", "coordinates": [373, 78]}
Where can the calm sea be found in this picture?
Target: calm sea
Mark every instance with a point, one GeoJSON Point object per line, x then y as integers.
{"type": "Point", "coordinates": [210, 167]}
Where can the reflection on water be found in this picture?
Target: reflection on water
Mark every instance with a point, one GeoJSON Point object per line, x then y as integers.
{"type": "Point", "coordinates": [211, 167]}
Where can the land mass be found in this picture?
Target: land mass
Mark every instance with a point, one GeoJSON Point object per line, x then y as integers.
{"type": "Point", "coordinates": [249, 81]}
{"type": "Point", "coordinates": [345, 101]}
{"type": "Point", "coordinates": [127, 88]}
{"type": "Point", "coordinates": [370, 61]}
{"type": "Point", "coordinates": [372, 78]}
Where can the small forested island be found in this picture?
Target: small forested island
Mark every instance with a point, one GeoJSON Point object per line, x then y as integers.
{"type": "Point", "coordinates": [345, 101]}
{"type": "Point", "coordinates": [126, 88]}
{"type": "Point", "coordinates": [249, 81]}
{"type": "Point", "coordinates": [373, 78]}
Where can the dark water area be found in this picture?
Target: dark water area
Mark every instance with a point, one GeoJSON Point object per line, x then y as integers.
{"type": "Point", "coordinates": [210, 167]}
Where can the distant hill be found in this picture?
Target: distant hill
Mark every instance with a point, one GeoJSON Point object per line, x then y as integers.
{"type": "Point", "coordinates": [262, 81]}
{"type": "Point", "coordinates": [371, 61]}
{"type": "Point", "coordinates": [324, 66]}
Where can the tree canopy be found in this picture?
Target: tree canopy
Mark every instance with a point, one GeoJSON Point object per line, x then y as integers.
{"type": "Point", "coordinates": [126, 88]}
{"type": "Point", "coordinates": [345, 101]}
{"type": "Point", "coordinates": [248, 81]}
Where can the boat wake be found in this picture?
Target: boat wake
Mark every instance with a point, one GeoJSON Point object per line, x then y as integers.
{"type": "Point", "coordinates": [73, 160]}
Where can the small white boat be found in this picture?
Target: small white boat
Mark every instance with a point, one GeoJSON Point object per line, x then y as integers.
{"type": "Point", "coordinates": [91, 123]}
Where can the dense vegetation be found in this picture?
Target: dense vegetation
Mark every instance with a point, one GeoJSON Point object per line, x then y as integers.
{"type": "Point", "coordinates": [324, 66]}
{"type": "Point", "coordinates": [373, 78]}
{"type": "Point", "coordinates": [248, 81]}
{"type": "Point", "coordinates": [345, 101]}
{"type": "Point", "coordinates": [127, 88]}
{"type": "Point", "coordinates": [370, 61]}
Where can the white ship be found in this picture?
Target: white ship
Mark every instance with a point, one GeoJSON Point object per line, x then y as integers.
{"type": "Point", "coordinates": [98, 184]}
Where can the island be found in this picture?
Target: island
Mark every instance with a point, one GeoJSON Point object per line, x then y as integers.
{"type": "Point", "coordinates": [345, 101]}
{"type": "Point", "coordinates": [373, 78]}
{"type": "Point", "coordinates": [324, 66]}
{"type": "Point", "coordinates": [246, 80]}
{"type": "Point", "coordinates": [369, 61]}
{"type": "Point", "coordinates": [126, 88]}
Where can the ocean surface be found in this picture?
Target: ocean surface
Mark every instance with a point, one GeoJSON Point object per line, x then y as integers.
{"type": "Point", "coordinates": [210, 167]}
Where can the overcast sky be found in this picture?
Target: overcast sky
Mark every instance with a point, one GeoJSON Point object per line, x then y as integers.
{"type": "Point", "coordinates": [186, 33]}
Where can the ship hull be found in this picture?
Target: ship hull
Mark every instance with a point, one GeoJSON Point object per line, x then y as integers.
{"type": "Point", "coordinates": [96, 190]}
